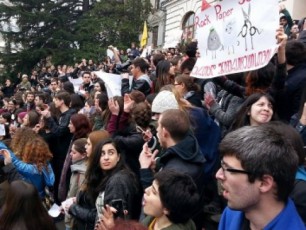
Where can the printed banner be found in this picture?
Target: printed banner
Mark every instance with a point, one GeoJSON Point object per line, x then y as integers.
{"type": "Point", "coordinates": [235, 36]}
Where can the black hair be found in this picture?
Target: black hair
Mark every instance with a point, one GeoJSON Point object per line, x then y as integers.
{"type": "Point", "coordinates": [295, 52]}
{"type": "Point", "coordinates": [261, 151]}
{"type": "Point", "coordinates": [242, 117]}
{"type": "Point", "coordinates": [178, 194]}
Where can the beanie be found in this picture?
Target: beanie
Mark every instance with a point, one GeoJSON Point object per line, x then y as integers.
{"type": "Point", "coordinates": [163, 101]}
{"type": "Point", "coordinates": [21, 115]}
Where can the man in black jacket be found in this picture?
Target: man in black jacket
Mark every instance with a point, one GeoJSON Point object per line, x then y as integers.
{"type": "Point", "coordinates": [141, 80]}
{"type": "Point", "coordinates": [60, 131]}
{"type": "Point", "coordinates": [181, 153]}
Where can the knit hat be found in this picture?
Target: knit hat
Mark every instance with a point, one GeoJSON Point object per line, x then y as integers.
{"type": "Point", "coordinates": [163, 101]}
{"type": "Point", "coordinates": [21, 115]}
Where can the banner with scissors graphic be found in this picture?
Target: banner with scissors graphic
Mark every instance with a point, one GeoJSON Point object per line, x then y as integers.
{"type": "Point", "coordinates": [235, 36]}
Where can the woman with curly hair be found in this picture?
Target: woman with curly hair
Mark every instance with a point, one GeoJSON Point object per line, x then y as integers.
{"type": "Point", "coordinates": [21, 137]}
{"type": "Point", "coordinates": [23, 209]}
{"type": "Point", "coordinates": [80, 127]}
{"type": "Point", "coordinates": [34, 164]}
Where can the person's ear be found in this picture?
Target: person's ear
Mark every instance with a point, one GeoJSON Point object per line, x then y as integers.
{"type": "Point", "coordinates": [266, 183]}
{"type": "Point", "coordinates": [249, 112]}
{"type": "Point", "coordinates": [166, 211]}
{"type": "Point", "coordinates": [165, 132]}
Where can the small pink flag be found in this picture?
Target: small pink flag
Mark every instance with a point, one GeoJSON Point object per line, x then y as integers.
{"type": "Point", "coordinates": [205, 5]}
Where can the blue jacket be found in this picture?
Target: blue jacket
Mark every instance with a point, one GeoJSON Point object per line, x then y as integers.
{"type": "Point", "coordinates": [31, 173]}
{"type": "Point", "coordinates": [288, 218]}
{"type": "Point", "coordinates": [208, 135]}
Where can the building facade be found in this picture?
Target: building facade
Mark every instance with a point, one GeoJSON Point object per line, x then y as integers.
{"type": "Point", "coordinates": [172, 21]}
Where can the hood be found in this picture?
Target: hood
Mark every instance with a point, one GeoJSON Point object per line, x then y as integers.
{"type": "Point", "coordinates": [301, 173]}
{"type": "Point", "coordinates": [79, 166]}
{"type": "Point", "coordinates": [188, 149]}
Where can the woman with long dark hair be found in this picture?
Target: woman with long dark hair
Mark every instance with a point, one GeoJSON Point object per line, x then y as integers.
{"type": "Point", "coordinates": [256, 110]}
{"type": "Point", "coordinates": [107, 181]}
{"type": "Point", "coordinates": [164, 74]}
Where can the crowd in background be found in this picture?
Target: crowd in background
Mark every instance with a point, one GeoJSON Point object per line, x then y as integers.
{"type": "Point", "coordinates": [95, 152]}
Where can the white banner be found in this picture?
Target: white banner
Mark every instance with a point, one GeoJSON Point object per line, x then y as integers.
{"type": "Point", "coordinates": [77, 82]}
{"type": "Point", "coordinates": [235, 36]}
{"type": "Point", "coordinates": [112, 83]}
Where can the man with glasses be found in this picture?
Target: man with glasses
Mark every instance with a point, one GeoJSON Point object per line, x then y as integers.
{"type": "Point", "coordinates": [257, 174]}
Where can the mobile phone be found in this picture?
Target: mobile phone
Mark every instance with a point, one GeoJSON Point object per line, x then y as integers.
{"type": "Point", "coordinates": [118, 205]}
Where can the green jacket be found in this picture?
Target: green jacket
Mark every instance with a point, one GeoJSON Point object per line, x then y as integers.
{"type": "Point", "coordinates": [189, 225]}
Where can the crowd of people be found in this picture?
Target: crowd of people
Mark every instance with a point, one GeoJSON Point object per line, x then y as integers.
{"type": "Point", "coordinates": [150, 159]}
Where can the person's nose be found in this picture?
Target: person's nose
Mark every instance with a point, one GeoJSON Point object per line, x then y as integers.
{"type": "Point", "coordinates": [147, 190]}
{"type": "Point", "coordinates": [220, 174]}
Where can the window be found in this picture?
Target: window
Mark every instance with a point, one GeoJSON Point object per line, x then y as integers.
{"type": "Point", "coordinates": [154, 36]}
{"type": "Point", "coordinates": [188, 27]}
{"type": "Point", "coordinates": [157, 4]}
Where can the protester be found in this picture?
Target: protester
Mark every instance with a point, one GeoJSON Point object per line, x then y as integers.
{"type": "Point", "coordinates": [181, 153]}
{"type": "Point", "coordinates": [60, 131]}
{"type": "Point", "coordinates": [80, 127]}
{"type": "Point", "coordinates": [34, 165]}
{"type": "Point", "coordinates": [258, 167]}
{"type": "Point", "coordinates": [160, 203]}
{"type": "Point", "coordinates": [78, 169]}
{"type": "Point", "coordinates": [299, 188]}
{"type": "Point", "coordinates": [107, 180]}
{"type": "Point", "coordinates": [256, 110]}
{"type": "Point", "coordinates": [141, 81]}
{"type": "Point", "coordinates": [93, 139]}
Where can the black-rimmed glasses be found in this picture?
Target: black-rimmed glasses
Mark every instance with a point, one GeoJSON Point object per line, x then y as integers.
{"type": "Point", "coordinates": [232, 170]}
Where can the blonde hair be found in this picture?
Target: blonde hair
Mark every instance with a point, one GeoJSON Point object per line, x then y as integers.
{"type": "Point", "coordinates": [182, 103]}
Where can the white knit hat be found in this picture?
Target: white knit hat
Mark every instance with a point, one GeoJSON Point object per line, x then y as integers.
{"type": "Point", "coordinates": [163, 101]}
